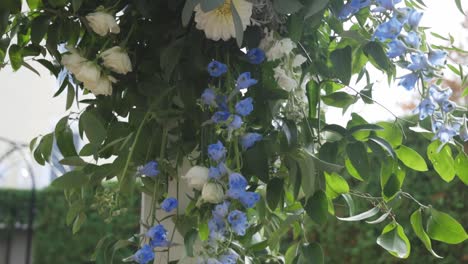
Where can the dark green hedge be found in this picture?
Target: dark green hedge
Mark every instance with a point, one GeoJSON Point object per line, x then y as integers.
{"type": "Point", "coordinates": [53, 240]}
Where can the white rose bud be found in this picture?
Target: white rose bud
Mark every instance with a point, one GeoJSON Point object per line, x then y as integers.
{"type": "Point", "coordinates": [102, 87]}
{"type": "Point", "coordinates": [117, 60]}
{"type": "Point", "coordinates": [298, 60]}
{"type": "Point", "coordinates": [89, 72]}
{"type": "Point", "coordinates": [73, 61]}
{"type": "Point", "coordinates": [284, 81]}
{"type": "Point", "coordinates": [212, 193]}
{"type": "Point", "coordinates": [102, 23]}
{"type": "Point", "coordinates": [196, 177]}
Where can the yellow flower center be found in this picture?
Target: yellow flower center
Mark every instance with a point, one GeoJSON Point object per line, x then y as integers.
{"type": "Point", "coordinates": [225, 9]}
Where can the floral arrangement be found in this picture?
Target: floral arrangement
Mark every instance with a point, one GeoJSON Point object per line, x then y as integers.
{"type": "Point", "coordinates": [238, 89]}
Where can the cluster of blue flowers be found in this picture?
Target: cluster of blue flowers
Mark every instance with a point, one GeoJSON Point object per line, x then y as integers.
{"type": "Point", "coordinates": [400, 33]}
{"type": "Point", "coordinates": [228, 217]}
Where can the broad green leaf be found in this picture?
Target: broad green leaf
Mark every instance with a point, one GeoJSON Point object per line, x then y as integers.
{"type": "Point", "coordinates": [46, 145]}
{"type": "Point", "coordinates": [72, 179]}
{"type": "Point", "coordinates": [341, 60]}
{"type": "Point", "coordinates": [274, 192]}
{"type": "Point", "coordinates": [384, 145]}
{"type": "Point", "coordinates": [189, 240]}
{"type": "Point", "coordinates": [335, 185]}
{"type": "Point", "coordinates": [287, 7]}
{"type": "Point", "coordinates": [313, 7]}
{"type": "Point", "coordinates": [237, 25]}
{"type": "Point", "coordinates": [317, 207]}
{"type": "Point", "coordinates": [94, 129]}
{"type": "Point", "coordinates": [394, 240]}
{"type": "Point", "coordinates": [442, 160]}
{"type": "Point", "coordinates": [64, 138]}
{"type": "Point", "coordinates": [352, 171]}
{"type": "Point", "coordinates": [311, 254]}
{"type": "Point", "coordinates": [391, 179]}
{"type": "Point", "coordinates": [209, 5]}
{"type": "Point", "coordinates": [16, 57]}
{"type": "Point", "coordinates": [461, 165]}
{"type": "Point", "coordinates": [411, 158]}
{"type": "Point", "coordinates": [256, 162]}
{"type": "Point", "coordinates": [416, 223]}
{"type": "Point", "coordinates": [291, 253]}
{"type": "Point", "coordinates": [391, 133]}
{"type": "Point", "coordinates": [323, 165]}
{"type": "Point", "coordinates": [339, 99]}
{"type": "Point", "coordinates": [39, 27]}
{"type": "Point", "coordinates": [34, 4]}
{"type": "Point", "coordinates": [367, 214]}
{"type": "Point", "coordinates": [376, 54]}
{"type": "Point", "coordinates": [357, 154]}
{"type": "Point", "coordinates": [295, 29]}
{"type": "Point", "coordinates": [442, 227]}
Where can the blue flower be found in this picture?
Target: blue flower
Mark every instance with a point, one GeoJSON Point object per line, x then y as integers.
{"type": "Point", "coordinates": [244, 81]}
{"type": "Point", "coordinates": [217, 227]}
{"type": "Point", "coordinates": [216, 68]}
{"type": "Point", "coordinates": [437, 57]}
{"type": "Point", "coordinates": [221, 210]}
{"type": "Point", "coordinates": [448, 106]}
{"type": "Point", "coordinates": [150, 169]}
{"type": "Point", "coordinates": [414, 17]}
{"type": "Point", "coordinates": [158, 236]}
{"type": "Point", "coordinates": [426, 108]}
{"type": "Point", "coordinates": [236, 122]}
{"type": "Point", "coordinates": [230, 258]}
{"type": "Point", "coordinates": [238, 221]}
{"type": "Point", "coordinates": [169, 204]}
{"type": "Point", "coordinates": [464, 130]}
{"type": "Point", "coordinates": [419, 62]}
{"type": "Point", "coordinates": [396, 48]}
{"type": "Point", "coordinates": [445, 134]}
{"type": "Point", "coordinates": [249, 199]}
{"type": "Point", "coordinates": [249, 139]}
{"type": "Point", "coordinates": [216, 151]}
{"type": "Point", "coordinates": [388, 30]}
{"type": "Point", "coordinates": [413, 40]}
{"type": "Point", "coordinates": [221, 101]}
{"type": "Point", "coordinates": [439, 95]}
{"type": "Point", "coordinates": [384, 5]}
{"type": "Point", "coordinates": [352, 7]}
{"type": "Point", "coordinates": [235, 193]}
{"type": "Point", "coordinates": [220, 116]}
{"type": "Point", "coordinates": [237, 181]}
{"type": "Point", "coordinates": [436, 122]}
{"type": "Point", "coordinates": [214, 173]}
{"type": "Point", "coordinates": [212, 261]}
{"type": "Point", "coordinates": [409, 81]}
{"type": "Point", "coordinates": [144, 255]}
{"type": "Point", "coordinates": [256, 56]}
{"type": "Point", "coordinates": [209, 97]}
{"type": "Point", "coordinates": [244, 107]}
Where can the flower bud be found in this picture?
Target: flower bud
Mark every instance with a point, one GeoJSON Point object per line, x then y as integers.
{"type": "Point", "coordinates": [117, 60]}
{"type": "Point", "coordinates": [196, 177]}
{"type": "Point", "coordinates": [103, 86]}
{"type": "Point", "coordinates": [212, 193]}
{"type": "Point", "coordinates": [102, 23]}
{"type": "Point", "coordinates": [73, 61]}
{"type": "Point", "coordinates": [89, 72]}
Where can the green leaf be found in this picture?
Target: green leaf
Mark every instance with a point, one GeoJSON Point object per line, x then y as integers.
{"type": "Point", "coordinates": [64, 138]}
{"type": "Point", "coordinates": [46, 145]}
{"type": "Point", "coordinates": [314, 7]}
{"type": "Point", "coordinates": [14, 6]}
{"type": "Point", "coordinates": [366, 94]}
{"type": "Point", "coordinates": [442, 160]}
{"type": "Point", "coordinates": [291, 253]}
{"type": "Point", "coordinates": [307, 171]}
{"type": "Point", "coordinates": [203, 231]}
{"type": "Point", "coordinates": [274, 192]}
{"type": "Point", "coordinates": [391, 133]}
{"type": "Point", "coordinates": [39, 27]}
{"type": "Point", "coordinates": [73, 161]}
{"type": "Point", "coordinates": [34, 4]}
{"type": "Point", "coordinates": [57, 3]}
{"type": "Point", "coordinates": [367, 214]}
{"type": "Point", "coordinates": [209, 5]}
{"type": "Point", "coordinates": [384, 145]}
{"type": "Point", "coordinates": [459, 6]}
{"type": "Point", "coordinates": [341, 60]}
{"type": "Point", "coordinates": [313, 93]}
{"type": "Point", "coordinates": [79, 221]}
{"type": "Point", "coordinates": [283, 228]}
{"type": "Point", "coordinates": [442, 227]}
{"type": "Point", "coordinates": [339, 99]}
{"type": "Point", "coordinates": [71, 179]}
{"type": "Point", "coordinates": [287, 7]}
{"type": "Point", "coordinates": [256, 162]}
{"type": "Point", "coordinates": [317, 207]}
{"type": "Point", "coordinates": [376, 54]}
{"type": "Point", "coordinates": [391, 179]}
{"type": "Point", "coordinates": [416, 223]}
{"type": "Point", "coordinates": [411, 158]}
{"type": "Point", "coordinates": [296, 27]}
{"type": "Point", "coordinates": [357, 154]}
{"type": "Point", "coordinates": [189, 239]}
{"type": "Point", "coordinates": [94, 129]}
{"type": "Point", "coordinates": [70, 96]}
{"type": "Point", "coordinates": [16, 57]}
{"type": "Point", "coordinates": [311, 254]}
{"type": "Point", "coordinates": [76, 4]}
{"type": "Point", "coordinates": [335, 185]}
{"type": "Point", "coordinates": [237, 25]}
{"type": "Point", "coordinates": [461, 163]}
{"type": "Point", "coordinates": [352, 171]}
{"type": "Point", "coordinates": [394, 240]}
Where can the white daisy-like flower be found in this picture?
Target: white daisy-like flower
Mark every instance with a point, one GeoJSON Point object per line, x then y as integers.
{"type": "Point", "coordinates": [219, 23]}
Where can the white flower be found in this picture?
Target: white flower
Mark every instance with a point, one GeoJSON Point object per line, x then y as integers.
{"type": "Point", "coordinates": [267, 42]}
{"type": "Point", "coordinates": [196, 177]}
{"type": "Point", "coordinates": [212, 193]}
{"type": "Point", "coordinates": [219, 23]}
{"type": "Point", "coordinates": [298, 61]}
{"type": "Point", "coordinates": [89, 72]}
{"type": "Point", "coordinates": [280, 49]}
{"type": "Point", "coordinates": [102, 23]}
{"type": "Point", "coordinates": [283, 80]}
{"type": "Point", "coordinates": [73, 61]}
{"type": "Point", "coordinates": [103, 86]}
{"type": "Point", "coordinates": [117, 60]}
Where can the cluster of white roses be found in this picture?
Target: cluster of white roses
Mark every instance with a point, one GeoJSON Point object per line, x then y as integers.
{"type": "Point", "coordinates": [114, 59]}
{"type": "Point", "coordinates": [288, 73]}
{"type": "Point", "coordinates": [197, 178]}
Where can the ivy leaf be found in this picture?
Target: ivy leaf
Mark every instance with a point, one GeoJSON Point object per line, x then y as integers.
{"type": "Point", "coordinates": [416, 223]}
{"type": "Point", "coordinates": [317, 207]}
{"type": "Point", "coordinates": [442, 160]}
{"type": "Point", "coordinates": [367, 214]}
{"type": "Point", "coordinates": [287, 7]}
{"type": "Point", "coordinates": [394, 240]}
{"type": "Point", "coordinates": [461, 163]}
{"type": "Point", "coordinates": [442, 227]}
{"type": "Point", "coordinates": [341, 60]}
{"type": "Point", "coordinates": [209, 5]}
{"type": "Point", "coordinates": [411, 158]}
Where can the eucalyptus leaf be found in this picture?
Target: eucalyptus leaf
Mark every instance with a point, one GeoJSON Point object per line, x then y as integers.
{"type": "Point", "coordinates": [367, 214]}
{"type": "Point", "coordinates": [381, 218]}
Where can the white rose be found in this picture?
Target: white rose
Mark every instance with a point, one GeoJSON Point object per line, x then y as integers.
{"type": "Point", "coordinates": [102, 23]}
{"type": "Point", "coordinates": [103, 86]}
{"type": "Point", "coordinates": [298, 60]}
{"type": "Point", "coordinates": [283, 80]}
{"type": "Point", "coordinates": [280, 49]}
{"type": "Point", "coordinates": [196, 177]}
{"type": "Point", "coordinates": [117, 60]}
{"type": "Point", "coordinates": [212, 193]}
{"type": "Point", "coordinates": [73, 61]}
{"type": "Point", "coordinates": [89, 72]}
